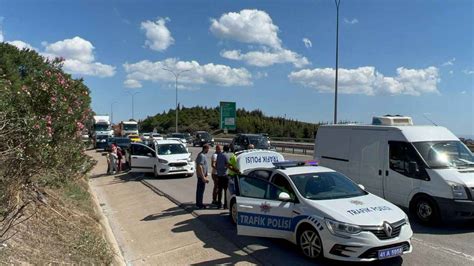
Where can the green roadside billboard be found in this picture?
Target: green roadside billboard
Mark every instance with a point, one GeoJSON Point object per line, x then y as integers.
{"type": "Point", "coordinates": [228, 115]}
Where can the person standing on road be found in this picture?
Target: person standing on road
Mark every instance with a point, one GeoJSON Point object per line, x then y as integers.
{"type": "Point", "coordinates": [214, 174]}
{"type": "Point", "coordinates": [112, 160]}
{"type": "Point", "coordinates": [223, 180]}
{"type": "Point", "coordinates": [201, 173]}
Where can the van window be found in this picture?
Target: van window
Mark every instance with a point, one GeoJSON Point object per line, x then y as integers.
{"type": "Point", "coordinates": [405, 160]}
{"type": "Point", "coordinates": [444, 154]}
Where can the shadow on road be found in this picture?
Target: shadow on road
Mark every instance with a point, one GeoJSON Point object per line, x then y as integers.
{"type": "Point", "coordinates": [445, 228]}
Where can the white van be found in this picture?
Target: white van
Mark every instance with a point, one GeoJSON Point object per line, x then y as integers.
{"type": "Point", "coordinates": [424, 168]}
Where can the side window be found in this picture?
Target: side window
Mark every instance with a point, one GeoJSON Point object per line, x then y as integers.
{"type": "Point", "coordinates": [282, 183]}
{"type": "Point", "coordinates": [263, 174]}
{"type": "Point", "coordinates": [405, 160]}
{"type": "Point", "coordinates": [258, 188]}
{"type": "Point", "coordinates": [141, 150]}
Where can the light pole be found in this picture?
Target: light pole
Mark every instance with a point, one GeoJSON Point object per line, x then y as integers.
{"type": "Point", "coordinates": [112, 112]}
{"type": "Point", "coordinates": [176, 75]}
{"type": "Point", "coordinates": [133, 96]}
{"type": "Point", "coordinates": [337, 58]}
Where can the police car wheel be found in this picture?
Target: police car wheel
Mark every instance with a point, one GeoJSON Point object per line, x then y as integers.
{"type": "Point", "coordinates": [233, 212]}
{"type": "Point", "coordinates": [310, 243]}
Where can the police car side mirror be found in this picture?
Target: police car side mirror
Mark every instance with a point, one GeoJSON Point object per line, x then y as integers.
{"type": "Point", "coordinates": [283, 196]}
{"type": "Point", "coordinates": [362, 186]}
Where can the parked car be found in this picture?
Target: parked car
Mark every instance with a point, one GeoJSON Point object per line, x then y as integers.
{"type": "Point", "coordinates": [180, 136]}
{"type": "Point", "coordinates": [241, 142]}
{"type": "Point", "coordinates": [122, 142]}
{"type": "Point", "coordinates": [201, 138]}
{"type": "Point", "coordinates": [163, 157]}
{"type": "Point", "coordinates": [189, 138]}
{"type": "Point", "coordinates": [424, 168]}
{"type": "Point", "coordinates": [322, 211]}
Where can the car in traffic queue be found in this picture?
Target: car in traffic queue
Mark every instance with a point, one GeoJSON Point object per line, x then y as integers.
{"type": "Point", "coordinates": [145, 136]}
{"type": "Point", "coordinates": [320, 210]}
{"type": "Point", "coordinates": [180, 136]}
{"type": "Point", "coordinates": [242, 141]}
{"type": "Point", "coordinates": [122, 142]}
{"type": "Point", "coordinates": [134, 138]}
{"type": "Point", "coordinates": [201, 138]}
{"type": "Point", "coordinates": [156, 136]}
{"type": "Point", "coordinates": [162, 158]}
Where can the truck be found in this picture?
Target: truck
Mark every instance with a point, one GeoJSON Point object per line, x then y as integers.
{"type": "Point", "coordinates": [127, 128]}
{"type": "Point", "coordinates": [424, 168]}
{"type": "Point", "coordinates": [101, 131]}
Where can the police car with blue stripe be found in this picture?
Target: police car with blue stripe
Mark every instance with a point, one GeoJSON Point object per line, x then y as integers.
{"type": "Point", "coordinates": [322, 211]}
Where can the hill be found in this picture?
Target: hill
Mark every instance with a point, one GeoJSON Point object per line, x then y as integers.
{"type": "Point", "coordinates": [204, 118]}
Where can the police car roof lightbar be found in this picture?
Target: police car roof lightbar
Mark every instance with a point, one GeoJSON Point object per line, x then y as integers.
{"type": "Point", "coordinates": [287, 164]}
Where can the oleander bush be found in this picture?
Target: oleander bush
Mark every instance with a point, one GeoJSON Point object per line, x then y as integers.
{"type": "Point", "coordinates": [42, 113]}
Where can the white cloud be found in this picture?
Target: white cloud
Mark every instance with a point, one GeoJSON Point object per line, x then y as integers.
{"type": "Point", "coordinates": [220, 75]}
{"type": "Point", "coordinates": [247, 26]}
{"type": "Point", "coordinates": [1, 31]}
{"type": "Point", "coordinates": [351, 21]}
{"type": "Point", "coordinates": [366, 80]}
{"type": "Point", "coordinates": [260, 75]}
{"type": "Point", "coordinates": [451, 72]}
{"type": "Point", "coordinates": [158, 36]}
{"type": "Point", "coordinates": [131, 83]}
{"type": "Point", "coordinates": [463, 92]}
{"type": "Point", "coordinates": [75, 48]}
{"type": "Point", "coordinates": [21, 45]}
{"type": "Point", "coordinates": [307, 43]}
{"type": "Point", "coordinates": [267, 58]}
{"type": "Point", "coordinates": [253, 26]}
{"type": "Point", "coordinates": [78, 57]}
{"type": "Point", "coordinates": [468, 72]}
{"type": "Point", "coordinates": [449, 62]}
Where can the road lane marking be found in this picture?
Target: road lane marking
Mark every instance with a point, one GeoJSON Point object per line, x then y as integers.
{"type": "Point", "coordinates": [444, 249]}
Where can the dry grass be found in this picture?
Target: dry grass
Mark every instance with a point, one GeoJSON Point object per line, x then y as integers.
{"type": "Point", "coordinates": [65, 230]}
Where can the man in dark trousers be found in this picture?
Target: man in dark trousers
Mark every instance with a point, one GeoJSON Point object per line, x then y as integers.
{"type": "Point", "coordinates": [222, 161]}
{"type": "Point", "coordinates": [201, 173]}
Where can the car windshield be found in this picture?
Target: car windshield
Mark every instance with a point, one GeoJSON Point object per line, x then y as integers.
{"type": "Point", "coordinates": [101, 127]}
{"type": "Point", "coordinates": [445, 154]}
{"type": "Point", "coordinates": [168, 149]}
{"type": "Point", "coordinates": [258, 140]}
{"type": "Point", "coordinates": [204, 136]}
{"type": "Point", "coordinates": [178, 135]}
{"type": "Point", "coordinates": [130, 127]}
{"type": "Point", "coordinates": [326, 185]}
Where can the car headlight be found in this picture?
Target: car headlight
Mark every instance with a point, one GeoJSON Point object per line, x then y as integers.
{"type": "Point", "coordinates": [189, 159]}
{"type": "Point", "coordinates": [212, 140]}
{"type": "Point", "coordinates": [341, 229]}
{"type": "Point", "coordinates": [162, 160]}
{"type": "Point", "coordinates": [103, 140]}
{"type": "Point", "coordinates": [203, 140]}
{"type": "Point", "coordinates": [458, 190]}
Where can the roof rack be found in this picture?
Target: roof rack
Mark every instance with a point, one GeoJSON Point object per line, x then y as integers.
{"type": "Point", "coordinates": [288, 164]}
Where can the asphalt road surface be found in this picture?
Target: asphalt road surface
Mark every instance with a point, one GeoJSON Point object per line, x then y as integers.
{"type": "Point", "coordinates": [451, 244]}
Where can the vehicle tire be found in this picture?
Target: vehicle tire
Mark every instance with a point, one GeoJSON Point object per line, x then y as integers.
{"type": "Point", "coordinates": [155, 172]}
{"type": "Point", "coordinates": [233, 214]}
{"type": "Point", "coordinates": [425, 210]}
{"type": "Point", "coordinates": [310, 242]}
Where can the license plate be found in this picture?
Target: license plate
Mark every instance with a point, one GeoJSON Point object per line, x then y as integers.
{"type": "Point", "coordinates": [390, 252]}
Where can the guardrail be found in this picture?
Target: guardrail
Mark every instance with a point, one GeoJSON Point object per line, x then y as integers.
{"type": "Point", "coordinates": [292, 147]}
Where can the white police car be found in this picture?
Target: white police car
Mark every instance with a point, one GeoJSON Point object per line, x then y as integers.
{"type": "Point", "coordinates": [319, 209]}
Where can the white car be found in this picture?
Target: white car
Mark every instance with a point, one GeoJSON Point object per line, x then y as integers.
{"type": "Point", "coordinates": [319, 209]}
{"type": "Point", "coordinates": [156, 136]}
{"type": "Point", "coordinates": [177, 139]}
{"type": "Point", "coordinates": [145, 136]}
{"type": "Point", "coordinates": [163, 157]}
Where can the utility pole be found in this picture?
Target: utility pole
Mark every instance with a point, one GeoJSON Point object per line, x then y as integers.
{"type": "Point", "coordinates": [133, 102]}
{"type": "Point", "coordinates": [176, 75]}
{"type": "Point", "coordinates": [112, 112]}
{"type": "Point", "coordinates": [337, 59]}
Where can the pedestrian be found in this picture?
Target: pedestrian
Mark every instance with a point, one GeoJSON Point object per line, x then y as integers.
{"type": "Point", "coordinates": [119, 159]}
{"type": "Point", "coordinates": [112, 160]}
{"type": "Point", "coordinates": [223, 180]}
{"type": "Point", "coordinates": [214, 174]}
{"type": "Point", "coordinates": [232, 168]}
{"type": "Point", "coordinates": [201, 173]}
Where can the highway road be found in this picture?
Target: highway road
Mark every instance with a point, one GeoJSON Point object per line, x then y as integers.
{"type": "Point", "coordinates": [444, 245]}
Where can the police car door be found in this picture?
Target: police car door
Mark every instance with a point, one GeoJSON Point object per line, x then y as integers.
{"type": "Point", "coordinates": [260, 212]}
{"type": "Point", "coordinates": [142, 158]}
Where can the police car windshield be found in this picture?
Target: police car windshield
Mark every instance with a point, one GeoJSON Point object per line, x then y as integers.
{"type": "Point", "coordinates": [326, 185]}
{"type": "Point", "coordinates": [168, 149]}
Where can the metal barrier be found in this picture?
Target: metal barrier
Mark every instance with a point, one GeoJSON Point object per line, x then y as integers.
{"type": "Point", "coordinates": [292, 147]}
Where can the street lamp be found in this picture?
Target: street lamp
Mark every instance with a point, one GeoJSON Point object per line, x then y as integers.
{"type": "Point", "coordinates": [337, 58]}
{"type": "Point", "coordinates": [133, 96]}
{"type": "Point", "coordinates": [176, 75]}
{"type": "Point", "coordinates": [112, 112]}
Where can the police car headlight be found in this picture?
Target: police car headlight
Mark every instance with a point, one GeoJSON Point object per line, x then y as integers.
{"type": "Point", "coordinates": [458, 190]}
{"type": "Point", "coordinates": [340, 228]}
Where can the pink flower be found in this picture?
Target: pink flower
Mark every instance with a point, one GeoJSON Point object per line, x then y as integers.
{"type": "Point", "coordinates": [79, 125]}
{"type": "Point", "coordinates": [36, 126]}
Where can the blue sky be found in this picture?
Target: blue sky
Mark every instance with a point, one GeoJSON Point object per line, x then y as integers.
{"type": "Point", "coordinates": [396, 57]}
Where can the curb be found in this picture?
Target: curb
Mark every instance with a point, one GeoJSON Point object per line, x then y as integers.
{"type": "Point", "coordinates": [108, 233]}
{"type": "Point", "coordinates": [247, 250]}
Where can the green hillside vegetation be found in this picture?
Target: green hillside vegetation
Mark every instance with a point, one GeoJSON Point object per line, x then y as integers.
{"type": "Point", "coordinates": [204, 118]}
